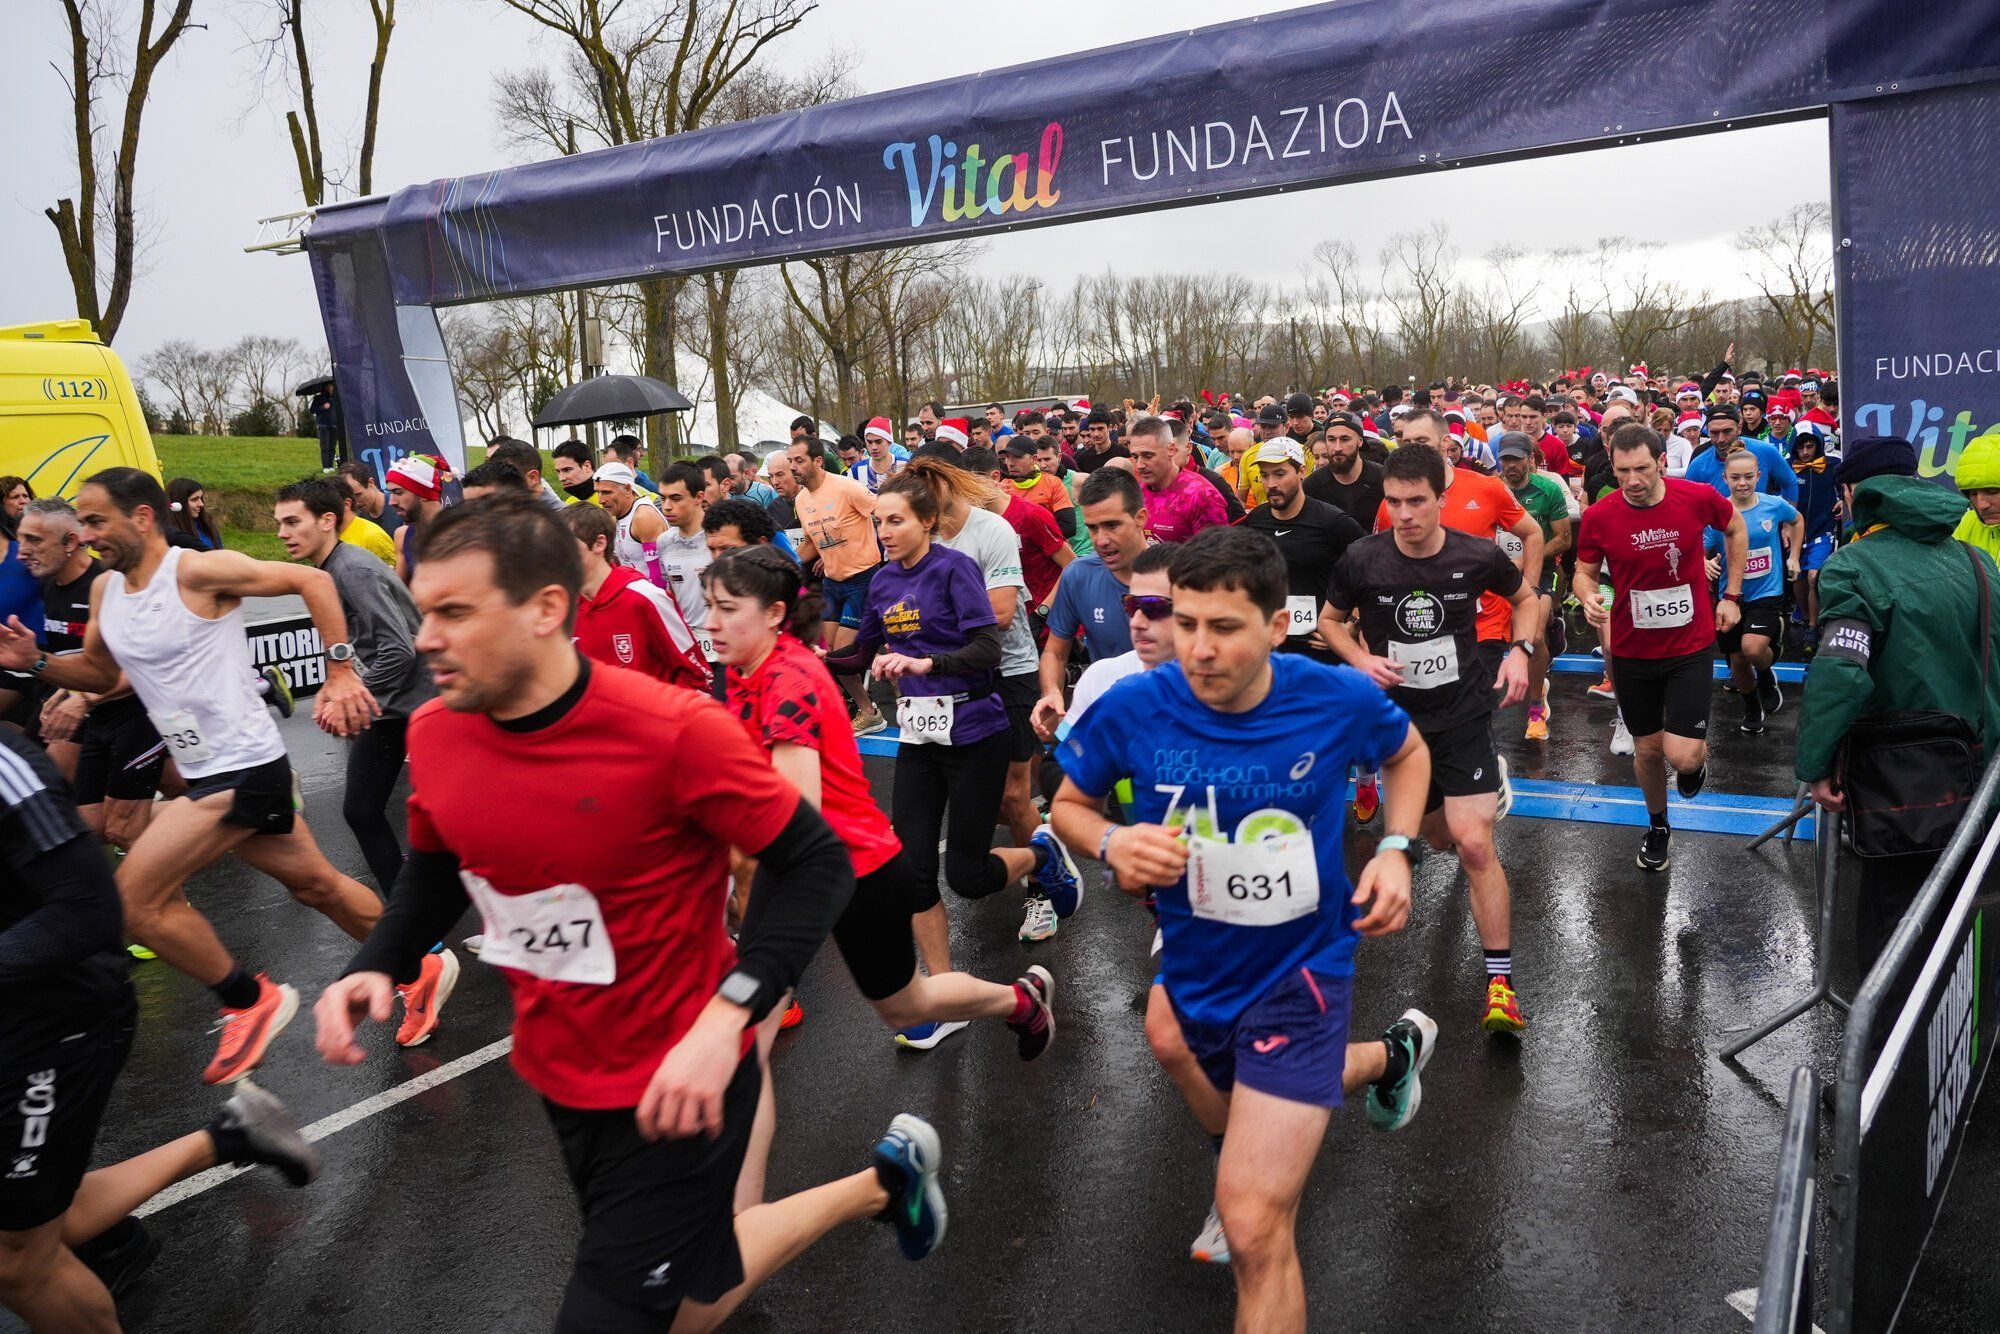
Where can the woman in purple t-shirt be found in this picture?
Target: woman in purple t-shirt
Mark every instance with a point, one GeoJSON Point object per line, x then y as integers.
{"type": "Point", "coordinates": [929, 619]}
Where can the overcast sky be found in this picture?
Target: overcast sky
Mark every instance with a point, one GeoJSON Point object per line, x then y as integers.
{"type": "Point", "coordinates": [214, 157]}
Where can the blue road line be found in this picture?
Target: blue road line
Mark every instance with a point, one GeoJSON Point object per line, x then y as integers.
{"type": "Point", "coordinates": [1584, 662]}
{"type": "Point", "coordinates": [1731, 813]}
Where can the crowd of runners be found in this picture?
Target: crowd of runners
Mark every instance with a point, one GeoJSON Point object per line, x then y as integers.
{"type": "Point", "coordinates": [1193, 642]}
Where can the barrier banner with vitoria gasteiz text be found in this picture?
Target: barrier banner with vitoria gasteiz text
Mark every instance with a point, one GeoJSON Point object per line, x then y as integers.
{"type": "Point", "coordinates": [1329, 93]}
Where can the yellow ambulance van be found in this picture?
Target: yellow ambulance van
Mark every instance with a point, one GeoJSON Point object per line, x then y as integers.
{"type": "Point", "coordinates": [67, 408]}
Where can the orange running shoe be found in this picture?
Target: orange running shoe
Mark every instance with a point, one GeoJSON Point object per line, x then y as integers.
{"type": "Point", "coordinates": [1503, 1009]}
{"type": "Point", "coordinates": [423, 999]}
{"type": "Point", "coordinates": [793, 1017]}
{"type": "Point", "coordinates": [1367, 799]}
{"type": "Point", "coordinates": [246, 1033]}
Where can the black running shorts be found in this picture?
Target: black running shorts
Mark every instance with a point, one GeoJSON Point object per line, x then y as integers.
{"type": "Point", "coordinates": [1765, 616]}
{"type": "Point", "coordinates": [1019, 694]}
{"type": "Point", "coordinates": [120, 756]}
{"type": "Point", "coordinates": [1464, 761]}
{"type": "Point", "coordinates": [51, 1102]}
{"type": "Point", "coordinates": [1665, 694]}
{"type": "Point", "coordinates": [658, 1216]}
{"type": "Point", "coordinates": [263, 795]}
{"type": "Point", "coordinates": [873, 933]}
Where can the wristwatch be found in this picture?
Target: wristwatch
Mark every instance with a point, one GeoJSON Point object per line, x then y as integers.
{"type": "Point", "coordinates": [1526, 646]}
{"type": "Point", "coordinates": [1737, 598]}
{"type": "Point", "coordinates": [340, 652]}
{"type": "Point", "coordinates": [41, 665]}
{"type": "Point", "coordinates": [739, 988]}
{"type": "Point", "coordinates": [1412, 849]}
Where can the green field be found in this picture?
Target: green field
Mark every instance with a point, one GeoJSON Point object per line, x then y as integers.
{"type": "Point", "coordinates": [240, 474]}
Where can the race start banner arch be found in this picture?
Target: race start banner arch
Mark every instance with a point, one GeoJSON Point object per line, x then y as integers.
{"type": "Point", "coordinates": [1347, 91]}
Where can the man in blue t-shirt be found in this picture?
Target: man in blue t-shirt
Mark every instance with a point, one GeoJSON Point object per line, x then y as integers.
{"type": "Point", "coordinates": [1777, 535]}
{"type": "Point", "coordinates": [1089, 600]}
{"type": "Point", "coordinates": [1725, 433]}
{"type": "Point", "coordinates": [1238, 761]}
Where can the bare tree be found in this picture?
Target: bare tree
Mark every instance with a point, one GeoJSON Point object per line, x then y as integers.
{"type": "Point", "coordinates": [174, 369]}
{"type": "Point", "coordinates": [1641, 305]}
{"type": "Point", "coordinates": [264, 364]}
{"type": "Point", "coordinates": [1573, 324]}
{"type": "Point", "coordinates": [1499, 312]}
{"type": "Point", "coordinates": [215, 377]}
{"type": "Point", "coordinates": [1420, 278]}
{"type": "Point", "coordinates": [1356, 309]}
{"type": "Point", "coordinates": [1790, 259]}
{"type": "Point", "coordinates": [93, 71]}
{"type": "Point", "coordinates": [288, 60]}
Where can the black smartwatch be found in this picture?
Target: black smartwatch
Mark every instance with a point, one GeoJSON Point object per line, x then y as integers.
{"type": "Point", "coordinates": [739, 988]}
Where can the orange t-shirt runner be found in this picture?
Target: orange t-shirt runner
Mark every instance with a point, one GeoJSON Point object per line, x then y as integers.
{"type": "Point", "coordinates": [1482, 506]}
{"type": "Point", "coordinates": [839, 521]}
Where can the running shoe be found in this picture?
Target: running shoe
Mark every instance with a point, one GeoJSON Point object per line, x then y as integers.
{"type": "Point", "coordinates": [907, 1159]}
{"type": "Point", "coordinates": [1538, 723]}
{"type": "Point", "coordinates": [1503, 1009]}
{"type": "Point", "coordinates": [253, 1127]}
{"type": "Point", "coordinates": [1505, 796]}
{"type": "Point", "coordinates": [1621, 737]}
{"type": "Point", "coordinates": [925, 1036]}
{"type": "Point", "coordinates": [1768, 692]}
{"type": "Point", "coordinates": [1753, 713]}
{"type": "Point", "coordinates": [1211, 1247]}
{"type": "Point", "coordinates": [1040, 923]}
{"type": "Point", "coordinates": [474, 944]}
{"type": "Point", "coordinates": [247, 1032]}
{"type": "Point", "coordinates": [1037, 1030]}
{"type": "Point", "coordinates": [1367, 799]}
{"type": "Point", "coordinates": [1545, 697]}
{"type": "Point", "coordinates": [795, 1014]}
{"type": "Point", "coordinates": [119, 1254]}
{"type": "Point", "coordinates": [140, 952]}
{"type": "Point", "coordinates": [1689, 785]}
{"type": "Point", "coordinates": [1391, 1104]}
{"type": "Point", "coordinates": [1159, 940]}
{"type": "Point", "coordinates": [1603, 690]}
{"type": "Point", "coordinates": [423, 999]}
{"type": "Point", "coordinates": [277, 690]}
{"type": "Point", "coordinates": [869, 723]}
{"type": "Point", "coordinates": [1653, 852]}
{"type": "Point", "coordinates": [1058, 874]}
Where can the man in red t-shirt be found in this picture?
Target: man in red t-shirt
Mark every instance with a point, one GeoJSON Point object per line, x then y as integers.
{"type": "Point", "coordinates": [1648, 537]}
{"type": "Point", "coordinates": [633, 1013]}
{"type": "Point", "coordinates": [624, 619]}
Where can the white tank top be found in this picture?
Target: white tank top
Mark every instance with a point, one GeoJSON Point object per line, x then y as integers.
{"type": "Point", "coordinates": [192, 674]}
{"type": "Point", "coordinates": [626, 549]}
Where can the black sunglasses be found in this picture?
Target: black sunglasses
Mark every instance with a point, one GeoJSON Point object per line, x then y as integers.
{"type": "Point", "coordinates": [1150, 605]}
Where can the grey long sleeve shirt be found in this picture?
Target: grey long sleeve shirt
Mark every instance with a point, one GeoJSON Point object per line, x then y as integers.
{"type": "Point", "coordinates": [382, 626]}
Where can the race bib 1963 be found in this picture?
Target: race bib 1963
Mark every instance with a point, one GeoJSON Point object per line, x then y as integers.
{"type": "Point", "coordinates": [557, 933]}
{"type": "Point", "coordinates": [926, 719]}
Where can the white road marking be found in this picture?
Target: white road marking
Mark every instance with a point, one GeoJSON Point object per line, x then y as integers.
{"type": "Point", "coordinates": [1745, 1304]}
{"type": "Point", "coordinates": [338, 1121]}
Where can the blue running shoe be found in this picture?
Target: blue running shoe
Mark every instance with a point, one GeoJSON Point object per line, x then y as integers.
{"type": "Point", "coordinates": [926, 1036]}
{"type": "Point", "coordinates": [1058, 876]}
{"type": "Point", "coordinates": [907, 1160]}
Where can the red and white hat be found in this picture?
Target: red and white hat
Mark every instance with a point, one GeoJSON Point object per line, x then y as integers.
{"type": "Point", "coordinates": [418, 474]}
{"type": "Point", "coordinates": [956, 430]}
{"type": "Point", "coordinates": [879, 426]}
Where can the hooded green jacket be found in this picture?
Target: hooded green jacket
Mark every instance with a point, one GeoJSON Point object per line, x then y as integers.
{"type": "Point", "coordinates": [1910, 588]}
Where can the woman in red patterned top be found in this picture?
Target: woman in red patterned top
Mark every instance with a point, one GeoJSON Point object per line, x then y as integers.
{"type": "Point", "coordinates": [760, 618]}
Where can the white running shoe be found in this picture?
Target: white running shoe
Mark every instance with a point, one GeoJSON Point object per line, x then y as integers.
{"type": "Point", "coordinates": [1040, 922]}
{"type": "Point", "coordinates": [1621, 737]}
{"type": "Point", "coordinates": [473, 944]}
{"type": "Point", "coordinates": [1211, 1247]}
{"type": "Point", "coordinates": [1506, 794]}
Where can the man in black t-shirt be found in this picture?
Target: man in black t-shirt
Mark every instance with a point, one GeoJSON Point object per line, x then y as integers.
{"type": "Point", "coordinates": [66, 1015]}
{"type": "Point", "coordinates": [1310, 534]}
{"type": "Point", "coordinates": [1097, 448]}
{"type": "Point", "coordinates": [1347, 480]}
{"type": "Point", "coordinates": [1415, 591]}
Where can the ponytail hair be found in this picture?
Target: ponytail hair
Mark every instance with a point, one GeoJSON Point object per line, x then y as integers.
{"type": "Point", "coordinates": [769, 577]}
{"type": "Point", "coordinates": [947, 482]}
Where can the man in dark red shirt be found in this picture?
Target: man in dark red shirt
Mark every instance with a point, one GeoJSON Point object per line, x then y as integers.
{"type": "Point", "coordinates": [633, 1013]}
{"type": "Point", "coordinates": [624, 619]}
{"type": "Point", "coordinates": [1647, 535]}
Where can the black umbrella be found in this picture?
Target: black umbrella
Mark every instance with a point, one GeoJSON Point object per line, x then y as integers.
{"type": "Point", "coordinates": [313, 386]}
{"type": "Point", "coordinates": [612, 398]}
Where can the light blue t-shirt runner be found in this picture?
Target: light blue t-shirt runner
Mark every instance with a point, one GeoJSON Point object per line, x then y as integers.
{"type": "Point", "coordinates": [1236, 780]}
{"type": "Point", "coordinates": [1764, 567]}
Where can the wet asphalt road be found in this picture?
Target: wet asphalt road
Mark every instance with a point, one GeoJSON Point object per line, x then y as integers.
{"type": "Point", "coordinates": [1608, 1173]}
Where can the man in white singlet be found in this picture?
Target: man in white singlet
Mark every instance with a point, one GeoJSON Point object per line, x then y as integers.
{"type": "Point", "coordinates": [640, 523]}
{"type": "Point", "coordinates": [172, 619]}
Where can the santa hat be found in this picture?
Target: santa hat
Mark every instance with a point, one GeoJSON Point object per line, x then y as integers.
{"type": "Point", "coordinates": [419, 474]}
{"type": "Point", "coordinates": [955, 430]}
{"type": "Point", "coordinates": [879, 427]}
{"type": "Point", "coordinates": [1688, 419]}
{"type": "Point", "coordinates": [1080, 404]}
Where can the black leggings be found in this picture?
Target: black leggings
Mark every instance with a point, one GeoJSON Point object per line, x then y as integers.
{"type": "Point", "coordinates": [955, 790]}
{"type": "Point", "coordinates": [374, 762]}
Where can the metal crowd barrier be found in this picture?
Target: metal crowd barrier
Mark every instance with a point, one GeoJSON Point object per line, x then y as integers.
{"type": "Point", "coordinates": [1900, 1114]}
{"type": "Point", "coordinates": [1784, 1298]}
{"type": "Point", "coordinates": [1826, 883]}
